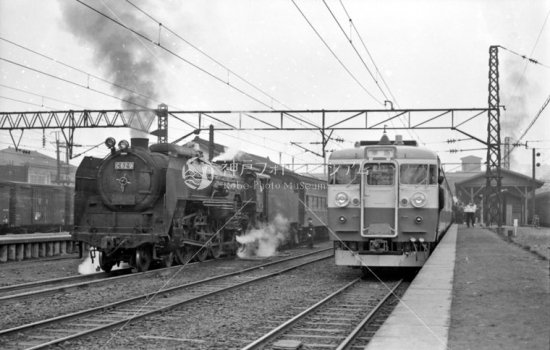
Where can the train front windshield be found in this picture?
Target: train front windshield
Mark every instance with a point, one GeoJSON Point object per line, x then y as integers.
{"type": "Point", "coordinates": [418, 174]}
{"type": "Point", "coordinates": [380, 174]}
{"type": "Point", "coordinates": [344, 174]}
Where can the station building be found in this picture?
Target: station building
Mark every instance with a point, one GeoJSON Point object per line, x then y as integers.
{"type": "Point", "coordinates": [34, 167]}
{"type": "Point", "coordinates": [518, 191]}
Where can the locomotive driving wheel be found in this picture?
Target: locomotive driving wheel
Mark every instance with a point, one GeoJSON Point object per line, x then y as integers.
{"type": "Point", "coordinates": [144, 257]}
{"type": "Point", "coordinates": [202, 253]}
{"type": "Point", "coordinates": [183, 255]}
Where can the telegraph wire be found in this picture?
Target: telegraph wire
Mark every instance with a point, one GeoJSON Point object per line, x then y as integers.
{"type": "Point", "coordinates": [42, 96]}
{"type": "Point", "coordinates": [78, 69]}
{"type": "Point", "coordinates": [25, 102]}
{"type": "Point", "coordinates": [209, 56]}
{"type": "Point", "coordinates": [187, 61]}
{"type": "Point", "coordinates": [529, 59]}
{"type": "Point", "coordinates": [158, 44]}
{"type": "Point", "coordinates": [71, 82]}
{"type": "Point", "coordinates": [229, 70]}
{"type": "Point", "coordinates": [334, 54]}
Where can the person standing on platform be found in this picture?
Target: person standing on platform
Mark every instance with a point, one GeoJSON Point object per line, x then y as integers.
{"type": "Point", "coordinates": [470, 211]}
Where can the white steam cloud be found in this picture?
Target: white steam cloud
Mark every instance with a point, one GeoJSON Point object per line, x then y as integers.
{"type": "Point", "coordinates": [229, 154]}
{"type": "Point", "coordinates": [88, 267]}
{"type": "Point", "coordinates": [263, 242]}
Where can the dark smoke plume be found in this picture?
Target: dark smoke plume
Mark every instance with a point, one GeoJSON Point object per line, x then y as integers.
{"type": "Point", "coordinates": [126, 59]}
{"type": "Point", "coordinates": [515, 92]}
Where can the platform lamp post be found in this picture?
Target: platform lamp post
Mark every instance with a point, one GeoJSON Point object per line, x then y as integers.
{"type": "Point", "coordinates": [534, 185]}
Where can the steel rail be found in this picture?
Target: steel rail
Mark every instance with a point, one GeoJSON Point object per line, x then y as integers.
{"type": "Point", "coordinates": [285, 326]}
{"type": "Point", "coordinates": [346, 343]}
{"type": "Point", "coordinates": [273, 334]}
{"type": "Point", "coordinates": [174, 305]}
{"type": "Point", "coordinates": [136, 316]}
{"type": "Point", "coordinates": [33, 284]}
{"type": "Point", "coordinates": [99, 280]}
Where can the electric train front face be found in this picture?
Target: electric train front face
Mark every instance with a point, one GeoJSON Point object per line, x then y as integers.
{"type": "Point", "coordinates": [388, 204]}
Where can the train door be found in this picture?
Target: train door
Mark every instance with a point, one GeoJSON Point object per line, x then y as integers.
{"type": "Point", "coordinates": [379, 202]}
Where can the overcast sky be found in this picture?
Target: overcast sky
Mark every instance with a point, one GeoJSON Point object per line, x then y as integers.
{"type": "Point", "coordinates": [431, 54]}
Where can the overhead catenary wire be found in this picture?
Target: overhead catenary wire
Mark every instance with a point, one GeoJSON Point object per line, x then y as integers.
{"type": "Point", "coordinates": [348, 38]}
{"type": "Point", "coordinates": [158, 44]}
{"type": "Point", "coordinates": [368, 53]}
{"type": "Point", "coordinates": [171, 52]}
{"type": "Point", "coordinates": [335, 55]}
{"type": "Point", "coordinates": [229, 70]}
{"type": "Point", "coordinates": [74, 83]}
{"type": "Point", "coordinates": [355, 49]}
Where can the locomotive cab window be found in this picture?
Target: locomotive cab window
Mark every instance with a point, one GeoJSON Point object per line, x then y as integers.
{"type": "Point", "coordinates": [379, 174]}
{"type": "Point", "coordinates": [418, 174]}
{"type": "Point", "coordinates": [344, 174]}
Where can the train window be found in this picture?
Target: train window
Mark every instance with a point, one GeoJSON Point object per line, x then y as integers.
{"type": "Point", "coordinates": [418, 174]}
{"type": "Point", "coordinates": [379, 174]}
{"type": "Point", "coordinates": [344, 174]}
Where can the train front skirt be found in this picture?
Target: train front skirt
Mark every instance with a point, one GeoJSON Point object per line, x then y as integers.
{"type": "Point", "coordinates": [409, 259]}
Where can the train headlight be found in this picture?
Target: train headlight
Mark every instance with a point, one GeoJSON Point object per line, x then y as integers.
{"type": "Point", "coordinates": [418, 200]}
{"type": "Point", "coordinates": [110, 142]}
{"type": "Point", "coordinates": [342, 219]}
{"type": "Point", "coordinates": [341, 199]}
{"type": "Point", "coordinates": [123, 145]}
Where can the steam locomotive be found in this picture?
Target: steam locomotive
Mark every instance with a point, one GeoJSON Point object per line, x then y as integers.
{"type": "Point", "coordinates": [389, 204]}
{"type": "Point", "coordinates": [143, 205]}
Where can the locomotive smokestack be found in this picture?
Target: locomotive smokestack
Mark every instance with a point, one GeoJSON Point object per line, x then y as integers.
{"type": "Point", "coordinates": [139, 142]}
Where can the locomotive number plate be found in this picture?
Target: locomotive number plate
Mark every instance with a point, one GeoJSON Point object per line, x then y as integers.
{"type": "Point", "coordinates": [124, 165]}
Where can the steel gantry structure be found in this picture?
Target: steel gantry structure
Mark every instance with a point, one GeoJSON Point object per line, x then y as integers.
{"type": "Point", "coordinates": [326, 122]}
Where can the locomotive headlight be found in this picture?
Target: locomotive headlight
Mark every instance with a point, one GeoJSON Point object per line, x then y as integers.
{"type": "Point", "coordinates": [418, 200]}
{"type": "Point", "coordinates": [123, 145]}
{"type": "Point", "coordinates": [341, 199]}
{"type": "Point", "coordinates": [110, 142]}
{"type": "Point", "coordinates": [342, 219]}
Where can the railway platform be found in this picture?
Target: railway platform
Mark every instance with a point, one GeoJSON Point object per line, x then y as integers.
{"type": "Point", "coordinates": [18, 247]}
{"type": "Point", "coordinates": [476, 291]}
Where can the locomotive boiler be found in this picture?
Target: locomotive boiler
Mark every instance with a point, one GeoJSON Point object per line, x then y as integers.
{"type": "Point", "coordinates": [144, 204]}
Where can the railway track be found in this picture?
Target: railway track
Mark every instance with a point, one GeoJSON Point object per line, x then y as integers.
{"type": "Point", "coordinates": [68, 327]}
{"type": "Point", "coordinates": [64, 284]}
{"type": "Point", "coordinates": [346, 319]}
{"type": "Point", "coordinates": [52, 286]}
